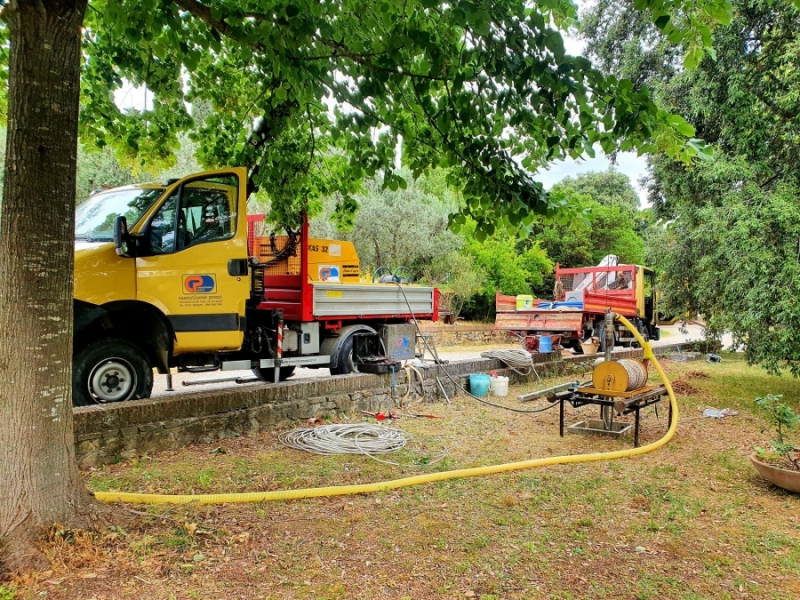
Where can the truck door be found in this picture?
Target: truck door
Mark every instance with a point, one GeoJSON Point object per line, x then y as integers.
{"type": "Point", "coordinates": [193, 260]}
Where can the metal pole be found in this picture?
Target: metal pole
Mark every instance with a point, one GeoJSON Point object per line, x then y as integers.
{"type": "Point", "coordinates": [279, 351]}
{"type": "Point", "coordinates": [205, 381]}
{"type": "Point", "coordinates": [555, 388]}
{"type": "Point", "coordinates": [609, 334]}
{"type": "Point", "coordinates": [441, 387]}
{"type": "Point", "coordinates": [169, 382]}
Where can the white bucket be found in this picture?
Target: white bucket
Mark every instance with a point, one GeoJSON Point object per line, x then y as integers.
{"type": "Point", "coordinates": [498, 386]}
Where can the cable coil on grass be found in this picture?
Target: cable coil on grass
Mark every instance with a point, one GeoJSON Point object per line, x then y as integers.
{"type": "Point", "coordinates": [355, 438]}
{"type": "Point", "coordinates": [363, 438]}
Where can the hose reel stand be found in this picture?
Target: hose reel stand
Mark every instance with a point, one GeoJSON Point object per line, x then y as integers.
{"type": "Point", "coordinates": [619, 387]}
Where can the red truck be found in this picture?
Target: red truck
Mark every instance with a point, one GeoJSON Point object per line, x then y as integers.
{"type": "Point", "coordinates": [586, 294]}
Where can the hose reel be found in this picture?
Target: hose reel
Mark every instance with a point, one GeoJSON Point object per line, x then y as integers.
{"type": "Point", "coordinates": [623, 375]}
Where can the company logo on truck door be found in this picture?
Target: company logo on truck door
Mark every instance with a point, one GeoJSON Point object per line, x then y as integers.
{"type": "Point", "coordinates": [199, 284]}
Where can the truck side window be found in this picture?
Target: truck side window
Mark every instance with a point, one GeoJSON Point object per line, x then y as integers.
{"type": "Point", "coordinates": [208, 211]}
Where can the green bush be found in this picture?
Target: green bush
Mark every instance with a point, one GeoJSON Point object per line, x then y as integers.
{"type": "Point", "coordinates": [782, 417]}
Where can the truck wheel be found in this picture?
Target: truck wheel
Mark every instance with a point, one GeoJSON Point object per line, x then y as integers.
{"type": "Point", "coordinates": [344, 363]}
{"type": "Point", "coordinates": [267, 374]}
{"type": "Point", "coordinates": [111, 370]}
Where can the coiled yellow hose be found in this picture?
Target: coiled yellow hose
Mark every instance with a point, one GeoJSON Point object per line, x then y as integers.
{"type": "Point", "coordinates": [342, 490]}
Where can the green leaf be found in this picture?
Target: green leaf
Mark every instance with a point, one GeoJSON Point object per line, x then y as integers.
{"type": "Point", "coordinates": [676, 36]}
{"type": "Point", "coordinates": [555, 43]}
{"type": "Point", "coordinates": [681, 125]}
{"type": "Point", "coordinates": [693, 57]}
{"type": "Point", "coordinates": [481, 28]}
{"type": "Point", "coordinates": [721, 12]}
{"type": "Point", "coordinates": [703, 151]}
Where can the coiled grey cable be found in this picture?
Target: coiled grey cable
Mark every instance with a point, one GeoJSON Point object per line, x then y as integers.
{"type": "Point", "coordinates": [367, 439]}
{"type": "Point", "coordinates": [519, 361]}
{"type": "Point", "coordinates": [347, 438]}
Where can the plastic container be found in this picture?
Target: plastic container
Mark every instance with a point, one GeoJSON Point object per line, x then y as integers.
{"type": "Point", "coordinates": [498, 386]}
{"type": "Point", "coordinates": [545, 343]}
{"type": "Point", "coordinates": [524, 302]}
{"type": "Point", "coordinates": [479, 385]}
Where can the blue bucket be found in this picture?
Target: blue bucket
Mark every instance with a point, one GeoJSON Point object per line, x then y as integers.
{"type": "Point", "coordinates": [545, 343]}
{"type": "Point", "coordinates": [479, 385]}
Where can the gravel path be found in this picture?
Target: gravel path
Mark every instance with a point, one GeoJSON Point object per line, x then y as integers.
{"type": "Point", "coordinates": [671, 335]}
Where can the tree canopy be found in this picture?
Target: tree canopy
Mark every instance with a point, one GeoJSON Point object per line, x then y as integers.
{"type": "Point", "coordinates": [609, 188]}
{"type": "Point", "coordinates": [406, 227]}
{"type": "Point", "coordinates": [729, 249]}
{"type": "Point", "coordinates": [315, 96]}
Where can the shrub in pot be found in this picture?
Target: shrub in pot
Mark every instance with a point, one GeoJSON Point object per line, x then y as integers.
{"type": "Point", "coordinates": [779, 464]}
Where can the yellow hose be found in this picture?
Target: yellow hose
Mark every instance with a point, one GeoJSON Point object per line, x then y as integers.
{"type": "Point", "coordinates": [342, 490]}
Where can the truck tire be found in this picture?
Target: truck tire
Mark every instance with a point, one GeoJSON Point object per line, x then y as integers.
{"type": "Point", "coordinates": [345, 364]}
{"type": "Point", "coordinates": [267, 374]}
{"type": "Point", "coordinates": [110, 370]}
{"type": "Point", "coordinates": [340, 348]}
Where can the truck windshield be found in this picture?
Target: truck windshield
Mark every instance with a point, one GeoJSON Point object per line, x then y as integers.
{"type": "Point", "coordinates": [94, 219]}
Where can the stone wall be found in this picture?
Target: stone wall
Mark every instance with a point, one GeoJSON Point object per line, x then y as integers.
{"type": "Point", "coordinates": [463, 334]}
{"type": "Point", "coordinates": [104, 433]}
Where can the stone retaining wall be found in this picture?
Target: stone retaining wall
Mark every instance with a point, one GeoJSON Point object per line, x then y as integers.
{"type": "Point", "coordinates": [109, 432]}
{"type": "Point", "coordinates": [457, 335]}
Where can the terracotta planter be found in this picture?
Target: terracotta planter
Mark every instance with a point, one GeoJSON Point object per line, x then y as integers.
{"type": "Point", "coordinates": [783, 478]}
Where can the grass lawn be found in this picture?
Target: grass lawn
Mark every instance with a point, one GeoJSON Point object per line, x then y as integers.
{"type": "Point", "coordinates": [691, 520]}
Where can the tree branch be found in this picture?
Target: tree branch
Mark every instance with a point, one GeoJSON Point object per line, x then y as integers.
{"type": "Point", "coordinates": [360, 59]}
{"type": "Point", "coordinates": [202, 12]}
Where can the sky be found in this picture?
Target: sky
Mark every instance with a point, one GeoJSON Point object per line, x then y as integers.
{"type": "Point", "coordinates": [627, 163]}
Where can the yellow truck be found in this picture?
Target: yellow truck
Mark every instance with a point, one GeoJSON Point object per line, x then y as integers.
{"type": "Point", "coordinates": [177, 275]}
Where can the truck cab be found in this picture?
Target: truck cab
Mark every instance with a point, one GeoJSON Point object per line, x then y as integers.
{"type": "Point", "coordinates": [174, 275]}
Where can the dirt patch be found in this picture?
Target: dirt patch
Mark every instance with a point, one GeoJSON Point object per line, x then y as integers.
{"type": "Point", "coordinates": [697, 375]}
{"type": "Point", "coordinates": [684, 389]}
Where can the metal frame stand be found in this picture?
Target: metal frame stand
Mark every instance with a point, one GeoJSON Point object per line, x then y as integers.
{"type": "Point", "coordinates": [428, 343]}
{"type": "Point", "coordinates": [630, 405]}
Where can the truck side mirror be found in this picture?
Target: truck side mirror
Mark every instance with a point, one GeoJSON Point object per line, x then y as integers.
{"type": "Point", "coordinates": [121, 236]}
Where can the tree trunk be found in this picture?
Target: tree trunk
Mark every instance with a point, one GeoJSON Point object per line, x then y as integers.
{"type": "Point", "coordinates": [39, 482]}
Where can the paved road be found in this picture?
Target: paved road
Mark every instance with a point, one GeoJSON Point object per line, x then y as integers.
{"type": "Point", "coordinates": [670, 335]}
